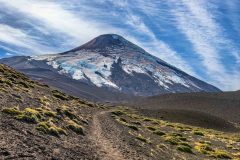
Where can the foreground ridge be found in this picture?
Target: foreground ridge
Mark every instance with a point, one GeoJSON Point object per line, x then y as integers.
{"type": "Point", "coordinates": [39, 122]}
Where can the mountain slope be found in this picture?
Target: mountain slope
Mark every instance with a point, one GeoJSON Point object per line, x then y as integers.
{"type": "Point", "coordinates": [194, 108]}
{"type": "Point", "coordinates": [112, 63]}
{"type": "Point", "coordinates": [37, 122]}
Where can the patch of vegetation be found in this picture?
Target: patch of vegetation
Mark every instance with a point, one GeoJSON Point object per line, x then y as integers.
{"type": "Point", "coordinates": [184, 148]}
{"type": "Point", "coordinates": [141, 138]}
{"type": "Point", "coordinates": [75, 127]}
{"type": "Point", "coordinates": [50, 128]}
{"type": "Point", "coordinates": [12, 111]}
{"type": "Point", "coordinates": [29, 115]}
{"type": "Point", "coordinates": [49, 113]}
{"type": "Point", "coordinates": [123, 120]}
{"type": "Point", "coordinates": [132, 127]}
{"type": "Point", "coordinates": [25, 85]}
{"type": "Point", "coordinates": [151, 128]}
{"type": "Point", "coordinates": [172, 140]}
{"type": "Point", "coordinates": [199, 133]}
{"type": "Point", "coordinates": [137, 123]}
{"type": "Point", "coordinates": [170, 125]}
{"type": "Point", "coordinates": [118, 113]}
{"type": "Point", "coordinates": [158, 132]}
{"type": "Point", "coordinates": [7, 82]}
{"type": "Point", "coordinates": [147, 119]}
{"type": "Point", "coordinates": [60, 95]}
{"type": "Point", "coordinates": [27, 118]}
{"type": "Point", "coordinates": [185, 144]}
{"type": "Point", "coordinates": [64, 110]}
{"type": "Point", "coordinates": [222, 154]}
{"type": "Point", "coordinates": [203, 148]}
{"type": "Point", "coordinates": [179, 136]}
{"type": "Point", "coordinates": [176, 135]}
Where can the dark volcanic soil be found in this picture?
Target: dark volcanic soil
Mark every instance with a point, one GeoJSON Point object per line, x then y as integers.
{"type": "Point", "coordinates": [38, 122]}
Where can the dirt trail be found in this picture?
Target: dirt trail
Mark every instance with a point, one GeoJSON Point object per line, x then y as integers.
{"type": "Point", "coordinates": [106, 150]}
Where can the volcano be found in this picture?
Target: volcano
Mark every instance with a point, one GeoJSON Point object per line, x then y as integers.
{"type": "Point", "coordinates": [108, 65]}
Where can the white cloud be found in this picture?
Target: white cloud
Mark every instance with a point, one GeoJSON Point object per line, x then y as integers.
{"type": "Point", "coordinates": [8, 54]}
{"type": "Point", "coordinates": [200, 28]}
{"type": "Point", "coordinates": [155, 46]}
{"type": "Point", "coordinates": [54, 17]}
{"type": "Point", "coordinates": [17, 37]}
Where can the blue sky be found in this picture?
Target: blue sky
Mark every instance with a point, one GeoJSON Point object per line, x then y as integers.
{"type": "Point", "coordinates": [201, 37]}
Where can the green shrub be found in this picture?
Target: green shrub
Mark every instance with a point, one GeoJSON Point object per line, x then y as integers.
{"type": "Point", "coordinates": [118, 113]}
{"type": "Point", "coordinates": [13, 111]}
{"type": "Point", "coordinates": [132, 127]}
{"type": "Point", "coordinates": [29, 115]}
{"type": "Point", "coordinates": [185, 144]}
{"type": "Point", "coordinates": [75, 127]}
{"type": "Point", "coordinates": [64, 110]}
{"type": "Point", "coordinates": [222, 154]}
{"type": "Point", "coordinates": [60, 95]}
{"type": "Point", "coordinates": [184, 148]}
{"type": "Point", "coordinates": [147, 119]}
{"type": "Point", "coordinates": [141, 138]}
{"type": "Point", "coordinates": [123, 120]}
{"type": "Point", "coordinates": [203, 148]}
{"type": "Point", "coordinates": [49, 113]}
{"type": "Point", "coordinates": [25, 85]}
{"type": "Point", "coordinates": [158, 132]}
{"type": "Point", "coordinates": [137, 123]}
{"type": "Point", "coordinates": [176, 135]}
{"type": "Point", "coordinates": [199, 133]}
{"type": "Point", "coordinates": [31, 118]}
{"type": "Point", "coordinates": [172, 140]}
{"type": "Point", "coordinates": [151, 128]}
{"type": "Point", "coordinates": [51, 129]}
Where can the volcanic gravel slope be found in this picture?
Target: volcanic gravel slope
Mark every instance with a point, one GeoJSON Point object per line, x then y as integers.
{"type": "Point", "coordinates": [38, 122]}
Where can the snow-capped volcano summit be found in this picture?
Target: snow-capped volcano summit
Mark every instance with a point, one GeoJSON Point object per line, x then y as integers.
{"type": "Point", "coordinates": [113, 63]}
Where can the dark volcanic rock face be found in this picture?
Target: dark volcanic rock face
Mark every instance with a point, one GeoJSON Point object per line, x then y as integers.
{"type": "Point", "coordinates": [110, 63]}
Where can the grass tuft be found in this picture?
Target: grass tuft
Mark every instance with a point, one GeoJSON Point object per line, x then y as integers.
{"type": "Point", "coordinates": [160, 133]}
{"type": "Point", "coordinates": [75, 127]}
{"type": "Point", "coordinates": [12, 111]}
{"type": "Point", "coordinates": [222, 154]}
{"type": "Point", "coordinates": [184, 148]}
{"type": "Point", "coordinates": [51, 129]}
{"type": "Point", "coordinates": [141, 138]}
{"type": "Point", "coordinates": [199, 133]}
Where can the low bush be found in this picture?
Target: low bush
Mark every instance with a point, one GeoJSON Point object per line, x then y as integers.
{"type": "Point", "coordinates": [203, 148]}
{"type": "Point", "coordinates": [199, 133]}
{"type": "Point", "coordinates": [184, 148]}
{"type": "Point", "coordinates": [12, 111]}
{"type": "Point", "coordinates": [132, 127]}
{"type": "Point", "coordinates": [75, 127]}
{"type": "Point", "coordinates": [222, 154]}
{"type": "Point", "coordinates": [141, 138]}
{"type": "Point", "coordinates": [51, 129]}
{"type": "Point", "coordinates": [151, 128]}
{"type": "Point", "coordinates": [118, 113]}
{"type": "Point", "coordinates": [158, 132]}
{"type": "Point", "coordinates": [59, 95]}
{"type": "Point", "coordinates": [172, 140]}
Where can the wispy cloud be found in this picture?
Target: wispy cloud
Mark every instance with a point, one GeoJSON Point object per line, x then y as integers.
{"type": "Point", "coordinates": [154, 45]}
{"type": "Point", "coordinates": [16, 37]}
{"type": "Point", "coordinates": [199, 26]}
{"type": "Point", "coordinates": [57, 19]}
